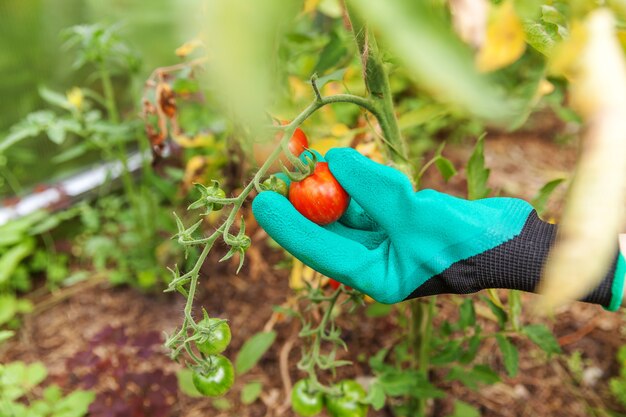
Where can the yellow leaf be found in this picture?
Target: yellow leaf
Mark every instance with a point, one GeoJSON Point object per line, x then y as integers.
{"type": "Point", "coordinates": [325, 144]}
{"type": "Point", "coordinates": [372, 151]}
{"type": "Point", "coordinates": [310, 5]}
{"type": "Point", "coordinates": [300, 274]}
{"type": "Point", "coordinates": [595, 207]}
{"type": "Point", "coordinates": [339, 129]}
{"type": "Point", "coordinates": [193, 169]}
{"type": "Point", "coordinates": [188, 47]}
{"type": "Point", "coordinates": [505, 42]}
{"type": "Point", "coordinates": [566, 54]}
{"type": "Point", "coordinates": [201, 140]}
{"type": "Point", "coordinates": [75, 97]}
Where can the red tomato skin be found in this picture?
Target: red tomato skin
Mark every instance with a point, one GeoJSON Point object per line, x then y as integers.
{"type": "Point", "coordinates": [335, 284]}
{"type": "Point", "coordinates": [319, 197]}
{"type": "Point", "coordinates": [298, 142]}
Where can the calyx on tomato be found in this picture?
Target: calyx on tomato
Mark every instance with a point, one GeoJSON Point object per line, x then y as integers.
{"type": "Point", "coordinates": [209, 197]}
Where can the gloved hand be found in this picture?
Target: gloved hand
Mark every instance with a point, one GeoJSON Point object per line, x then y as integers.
{"type": "Point", "coordinates": [393, 243]}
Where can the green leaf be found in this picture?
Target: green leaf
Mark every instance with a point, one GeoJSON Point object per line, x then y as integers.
{"type": "Point", "coordinates": [252, 350]}
{"type": "Point", "coordinates": [539, 38]}
{"type": "Point", "coordinates": [471, 378]}
{"type": "Point", "coordinates": [5, 334]}
{"type": "Point", "coordinates": [378, 310]}
{"type": "Point", "coordinates": [477, 173]}
{"type": "Point", "coordinates": [403, 382]}
{"type": "Point", "coordinates": [222, 404]}
{"type": "Point", "coordinates": [510, 354]}
{"type": "Point", "coordinates": [333, 76]}
{"type": "Point", "coordinates": [445, 167]}
{"type": "Point", "coordinates": [421, 115]}
{"type": "Point", "coordinates": [450, 353]}
{"type": "Point", "coordinates": [462, 409]}
{"type": "Point", "coordinates": [540, 201]}
{"type": "Point", "coordinates": [52, 393]}
{"type": "Point", "coordinates": [467, 314]}
{"type": "Point", "coordinates": [75, 404]}
{"type": "Point", "coordinates": [8, 307]}
{"type": "Point", "coordinates": [35, 374]}
{"type": "Point", "coordinates": [185, 383]}
{"type": "Point", "coordinates": [14, 231]}
{"type": "Point", "coordinates": [500, 314]}
{"type": "Point", "coordinates": [332, 54]}
{"type": "Point", "coordinates": [250, 392]}
{"type": "Point", "coordinates": [54, 98]}
{"type": "Point", "coordinates": [12, 258]}
{"type": "Point", "coordinates": [376, 396]}
{"type": "Point", "coordinates": [472, 348]}
{"type": "Point", "coordinates": [542, 337]}
{"type": "Point", "coordinates": [185, 86]}
{"type": "Point", "coordinates": [18, 134]}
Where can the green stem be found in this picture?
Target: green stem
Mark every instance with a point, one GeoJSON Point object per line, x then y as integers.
{"type": "Point", "coordinates": [377, 84]}
{"type": "Point", "coordinates": [109, 94]}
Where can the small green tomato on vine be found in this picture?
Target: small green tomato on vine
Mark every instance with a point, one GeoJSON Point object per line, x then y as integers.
{"type": "Point", "coordinates": [304, 401]}
{"type": "Point", "coordinates": [214, 377]}
{"type": "Point", "coordinates": [214, 336]}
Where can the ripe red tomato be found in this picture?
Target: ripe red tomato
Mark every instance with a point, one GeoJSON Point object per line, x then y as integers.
{"type": "Point", "coordinates": [297, 144]}
{"type": "Point", "coordinates": [319, 197]}
{"type": "Point", "coordinates": [335, 284]}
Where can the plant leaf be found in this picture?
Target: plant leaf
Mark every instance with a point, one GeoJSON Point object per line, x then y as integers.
{"type": "Point", "coordinates": [540, 201]}
{"type": "Point", "coordinates": [510, 354]}
{"type": "Point", "coordinates": [252, 350]}
{"type": "Point", "coordinates": [250, 392]}
{"type": "Point", "coordinates": [542, 337]}
{"type": "Point", "coordinates": [477, 173]}
{"type": "Point", "coordinates": [445, 167]}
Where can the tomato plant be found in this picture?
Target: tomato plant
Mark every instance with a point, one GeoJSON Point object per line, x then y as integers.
{"type": "Point", "coordinates": [304, 402]}
{"type": "Point", "coordinates": [215, 378]}
{"type": "Point", "coordinates": [319, 197]}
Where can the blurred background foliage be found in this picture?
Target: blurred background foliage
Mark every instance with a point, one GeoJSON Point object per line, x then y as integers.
{"type": "Point", "coordinates": [32, 55]}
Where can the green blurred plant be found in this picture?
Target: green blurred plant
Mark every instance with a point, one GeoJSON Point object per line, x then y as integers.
{"type": "Point", "coordinates": [19, 383]}
{"type": "Point", "coordinates": [121, 234]}
{"type": "Point", "coordinates": [27, 249]}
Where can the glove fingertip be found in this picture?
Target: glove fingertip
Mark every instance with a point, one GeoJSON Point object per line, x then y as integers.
{"type": "Point", "coordinates": [266, 202]}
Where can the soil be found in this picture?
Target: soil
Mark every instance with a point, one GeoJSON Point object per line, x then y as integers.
{"type": "Point", "coordinates": [520, 165]}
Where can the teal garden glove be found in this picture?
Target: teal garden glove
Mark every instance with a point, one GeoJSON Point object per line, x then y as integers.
{"type": "Point", "coordinates": [394, 244]}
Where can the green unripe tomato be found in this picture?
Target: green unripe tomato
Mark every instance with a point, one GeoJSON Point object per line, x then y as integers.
{"type": "Point", "coordinates": [304, 402]}
{"type": "Point", "coordinates": [276, 184]}
{"type": "Point", "coordinates": [218, 193]}
{"type": "Point", "coordinates": [218, 337]}
{"type": "Point", "coordinates": [349, 403]}
{"type": "Point", "coordinates": [216, 378]}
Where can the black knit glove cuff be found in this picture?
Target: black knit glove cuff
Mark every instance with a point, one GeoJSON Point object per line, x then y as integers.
{"type": "Point", "coordinates": [515, 264]}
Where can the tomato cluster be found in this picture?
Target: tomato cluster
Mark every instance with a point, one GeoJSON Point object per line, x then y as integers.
{"type": "Point", "coordinates": [348, 403]}
{"type": "Point", "coordinates": [216, 375]}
